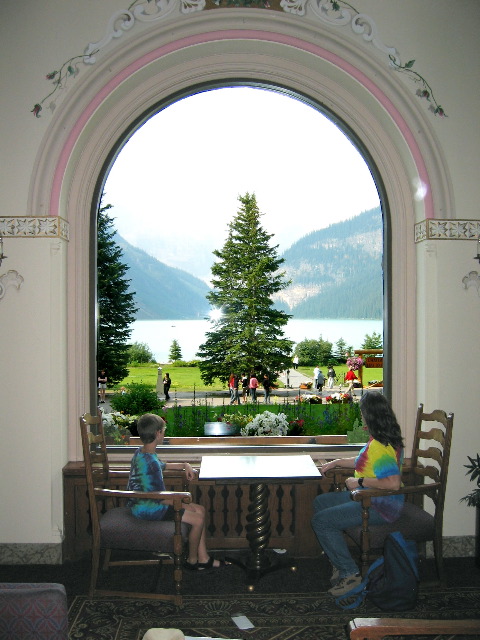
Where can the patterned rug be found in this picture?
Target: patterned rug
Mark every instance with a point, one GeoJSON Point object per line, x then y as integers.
{"type": "Point", "coordinates": [286, 616]}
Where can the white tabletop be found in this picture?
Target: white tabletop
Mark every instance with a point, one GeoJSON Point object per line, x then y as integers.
{"type": "Point", "coordinates": [261, 467]}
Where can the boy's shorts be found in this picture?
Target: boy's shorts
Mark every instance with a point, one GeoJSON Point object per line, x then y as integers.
{"type": "Point", "coordinates": [170, 513]}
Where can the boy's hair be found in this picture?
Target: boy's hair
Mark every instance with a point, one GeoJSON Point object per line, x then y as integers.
{"type": "Point", "coordinates": [148, 425]}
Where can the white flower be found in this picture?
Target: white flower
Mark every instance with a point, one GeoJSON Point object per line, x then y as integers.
{"type": "Point", "coordinates": [115, 418]}
{"type": "Point", "coordinates": [267, 424]}
{"type": "Point", "coordinates": [108, 420]}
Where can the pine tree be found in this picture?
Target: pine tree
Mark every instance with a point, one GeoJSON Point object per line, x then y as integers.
{"type": "Point", "coordinates": [175, 352]}
{"type": "Point", "coordinates": [116, 303]}
{"type": "Point", "coordinates": [248, 335]}
{"type": "Point", "coordinates": [340, 353]}
{"type": "Point", "coordinates": [373, 341]}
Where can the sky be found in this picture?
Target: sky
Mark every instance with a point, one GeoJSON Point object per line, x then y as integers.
{"type": "Point", "coordinates": [175, 184]}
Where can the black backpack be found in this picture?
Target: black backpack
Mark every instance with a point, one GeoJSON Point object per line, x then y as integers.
{"type": "Point", "coordinates": [391, 582]}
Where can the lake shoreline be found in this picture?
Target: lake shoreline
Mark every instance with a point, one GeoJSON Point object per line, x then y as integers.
{"type": "Point", "coordinates": [158, 335]}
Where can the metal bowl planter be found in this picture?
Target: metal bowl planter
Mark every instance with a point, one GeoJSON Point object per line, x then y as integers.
{"type": "Point", "coordinates": [220, 429]}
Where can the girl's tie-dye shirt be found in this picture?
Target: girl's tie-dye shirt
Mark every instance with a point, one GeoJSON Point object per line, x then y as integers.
{"type": "Point", "coordinates": [376, 460]}
{"type": "Point", "coordinates": [146, 474]}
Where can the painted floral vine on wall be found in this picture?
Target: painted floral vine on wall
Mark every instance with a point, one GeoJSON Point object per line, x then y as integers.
{"type": "Point", "coordinates": [425, 90]}
{"type": "Point", "coordinates": [150, 10]}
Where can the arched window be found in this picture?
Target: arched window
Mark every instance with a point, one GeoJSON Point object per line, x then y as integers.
{"type": "Point", "coordinates": [150, 69]}
{"type": "Point", "coordinates": [163, 187]}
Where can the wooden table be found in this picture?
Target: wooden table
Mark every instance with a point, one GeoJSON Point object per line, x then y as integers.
{"type": "Point", "coordinates": [258, 471]}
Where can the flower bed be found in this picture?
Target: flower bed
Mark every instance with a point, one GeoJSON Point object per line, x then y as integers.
{"type": "Point", "coordinates": [339, 398]}
{"type": "Point", "coordinates": [303, 419]}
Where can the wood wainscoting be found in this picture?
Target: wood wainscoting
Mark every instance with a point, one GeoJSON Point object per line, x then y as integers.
{"type": "Point", "coordinates": [290, 506]}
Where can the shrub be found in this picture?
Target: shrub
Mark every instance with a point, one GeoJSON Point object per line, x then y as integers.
{"type": "Point", "coordinates": [187, 363]}
{"type": "Point", "coordinates": [140, 352]}
{"type": "Point", "coordinates": [137, 398]}
{"type": "Point", "coordinates": [314, 352]}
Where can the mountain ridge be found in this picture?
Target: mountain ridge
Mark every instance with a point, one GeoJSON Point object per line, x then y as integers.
{"type": "Point", "coordinates": [345, 258]}
{"type": "Point", "coordinates": [336, 272]}
{"type": "Point", "coordinates": [162, 292]}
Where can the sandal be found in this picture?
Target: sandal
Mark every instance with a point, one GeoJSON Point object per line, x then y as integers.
{"type": "Point", "coordinates": [209, 565]}
{"type": "Point", "coordinates": [203, 566]}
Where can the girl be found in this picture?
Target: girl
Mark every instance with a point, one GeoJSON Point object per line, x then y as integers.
{"type": "Point", "coordinates": [377, 466]}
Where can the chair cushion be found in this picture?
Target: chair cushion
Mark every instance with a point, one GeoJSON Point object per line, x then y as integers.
{"type": "Point", "coordinates": [121, 530]}
{"type": "Point", "coordinates": [33, 610]}
{"type": "Point", "coordinates": [414, 523]}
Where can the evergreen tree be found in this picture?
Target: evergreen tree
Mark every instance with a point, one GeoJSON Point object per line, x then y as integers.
{"type": "Point", "coordinates": [116, 303]}
{"type": "Point", "coordinates": [175, 352]}
{"type": "Point", "coordinates": [373, 341]}
{"type": "Point", "coordinates": [341, 350]}
{"type": "Point", "coordinates": [248, 335]}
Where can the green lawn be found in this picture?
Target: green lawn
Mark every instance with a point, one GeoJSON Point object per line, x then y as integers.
{"type": "Point", "coordinates": [188, 378]}
{"type": "Point", "coordinates": [183, 378]}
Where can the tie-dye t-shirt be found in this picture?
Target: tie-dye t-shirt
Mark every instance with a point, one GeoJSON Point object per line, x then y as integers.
{"type": "Point", "coordinates": [376, 460]}
{"type": "Point", "coordinates": [146, 474]}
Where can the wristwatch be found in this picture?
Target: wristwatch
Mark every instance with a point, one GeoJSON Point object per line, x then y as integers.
{"type": "Point", "coordinates": [360, 482]}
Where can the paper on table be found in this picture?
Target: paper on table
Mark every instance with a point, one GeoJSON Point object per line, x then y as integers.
{"type": "Point", "coordinates": [242, 621]}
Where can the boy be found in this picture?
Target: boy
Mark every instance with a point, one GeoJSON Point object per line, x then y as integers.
{"type": "Point", "coordinates": [146, 474]}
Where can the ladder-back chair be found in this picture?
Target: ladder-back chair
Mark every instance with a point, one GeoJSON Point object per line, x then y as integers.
{"type": "Point", "coordinates": [115, 528]}
{"type": "Point", "coordinates": [427, 478]}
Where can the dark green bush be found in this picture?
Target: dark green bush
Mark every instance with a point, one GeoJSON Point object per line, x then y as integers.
{"type": "Point", "coordinates": [138, 398]}
{"type": "Point", "coordinates": [186, 363]}
{"type": "Point", "coordinates": [139, 352]}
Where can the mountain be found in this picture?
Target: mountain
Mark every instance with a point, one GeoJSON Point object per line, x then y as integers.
{"type": "Point", "coordinates": [162, 292]}
{"type": "Point", "coordinates": [336, 272]}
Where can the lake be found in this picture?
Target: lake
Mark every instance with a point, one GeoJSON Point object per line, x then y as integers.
{"type": "Point", "coordinates": [190, 334]}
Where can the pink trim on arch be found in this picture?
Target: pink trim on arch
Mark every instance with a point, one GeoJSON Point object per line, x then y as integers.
{"type": "Point", "coordinates": [250, 34]}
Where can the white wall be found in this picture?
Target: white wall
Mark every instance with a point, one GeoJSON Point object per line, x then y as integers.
{"type": "Point", "coordinates": [33, 391]}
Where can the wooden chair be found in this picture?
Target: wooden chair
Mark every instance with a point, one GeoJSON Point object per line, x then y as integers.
{"type": "Point", "coordinates": [426, 478]}
{"type": "Point", "coordinates": [378, 628]}
{"type": "Point", "coordinates": [115, 528]}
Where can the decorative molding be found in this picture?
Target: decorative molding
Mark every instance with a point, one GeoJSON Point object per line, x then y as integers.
{"type": "Point", "coordinates": [472, 279]}
{"type": "Point", "coordinates": [10, 279]}
{"type": "Point", "coordinates": [31, 227]}
{"type": "Point", "coordinates": [436, 229]}
{"type": "Point", "coordinates": [331, 13]}
{"type": "Point", "coordinates": [327, 13]}
{"type": "Point", "coordinates": [124, 19]}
